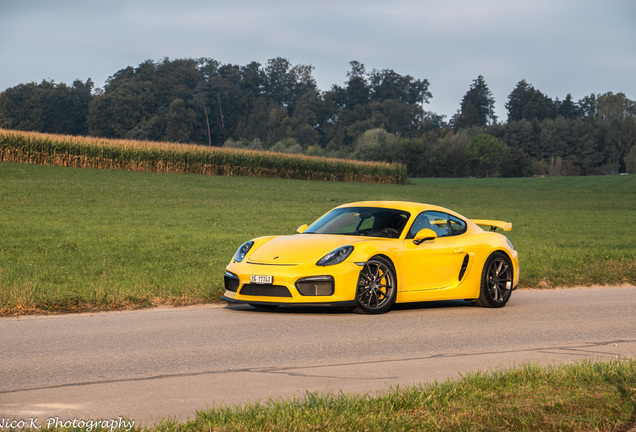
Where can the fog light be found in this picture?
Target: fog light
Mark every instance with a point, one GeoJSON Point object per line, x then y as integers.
{"type": "Point", "coordinates": [316, 286]}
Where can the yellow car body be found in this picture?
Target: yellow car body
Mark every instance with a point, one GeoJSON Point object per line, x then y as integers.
{"type": "Point", "coordinates": [425, 253]}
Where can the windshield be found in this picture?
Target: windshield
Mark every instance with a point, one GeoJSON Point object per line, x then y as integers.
{"type": "Point", "coordinates": [361, 221]}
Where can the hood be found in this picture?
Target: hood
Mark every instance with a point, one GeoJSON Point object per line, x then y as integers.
{"type": "Point", "coordinates": [299, 248]}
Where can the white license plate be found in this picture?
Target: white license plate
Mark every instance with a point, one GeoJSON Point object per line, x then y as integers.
{"type": "Point", "coordinates": [261, 279]}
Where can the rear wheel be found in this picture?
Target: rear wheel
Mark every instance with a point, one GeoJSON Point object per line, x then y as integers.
{"type": "Point", "coordinates": [496, 281]}
{"type": "Point", "coordinates": [377, 286]}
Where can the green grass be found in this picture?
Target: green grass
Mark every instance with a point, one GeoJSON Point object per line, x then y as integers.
{"type": "Point", "coordinates": [82, 238]}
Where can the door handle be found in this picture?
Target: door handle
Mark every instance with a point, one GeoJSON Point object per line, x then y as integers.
{"type": "Point", "coordinates": [458, 250]}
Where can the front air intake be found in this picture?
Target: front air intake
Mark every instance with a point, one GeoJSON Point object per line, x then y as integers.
{"type": "Point", "coordinates": [265, 290]}
{"type": "Point", "coordinates": [315, 286]}
{"type": "Point", "coordinates": [231, 281]}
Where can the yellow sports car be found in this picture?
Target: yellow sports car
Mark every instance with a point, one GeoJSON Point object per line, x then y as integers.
{"type": "Point", "coordinates": [370, 255]}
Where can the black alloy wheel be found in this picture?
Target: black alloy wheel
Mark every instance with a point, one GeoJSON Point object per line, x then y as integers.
{"type": "Point", "coordinates": [496, 281]}
{"type": "Point", "coordinates": [377, 286]}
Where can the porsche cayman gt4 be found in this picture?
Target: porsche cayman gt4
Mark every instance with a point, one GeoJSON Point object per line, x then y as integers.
{"type": "Point", "coordinates": [370, 255]}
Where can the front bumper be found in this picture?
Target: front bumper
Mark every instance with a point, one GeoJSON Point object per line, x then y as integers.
{"type": "Point", "coordinates": [292, 284]}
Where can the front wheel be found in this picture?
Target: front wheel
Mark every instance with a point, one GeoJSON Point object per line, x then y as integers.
{"type": "Point", "coordinates": [496, 281]}
{"type": "Point", "coordinates": [377, 286]}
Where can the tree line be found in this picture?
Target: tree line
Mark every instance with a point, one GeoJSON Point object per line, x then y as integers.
{"type": "Point", "coordinates": [376, 115]}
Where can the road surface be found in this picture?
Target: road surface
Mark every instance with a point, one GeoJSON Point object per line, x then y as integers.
{"type": "Point", "coordinates": [170, 362]}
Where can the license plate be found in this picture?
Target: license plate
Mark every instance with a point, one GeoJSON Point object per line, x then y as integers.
{"type": "Point", "coordinates": [261, 279]}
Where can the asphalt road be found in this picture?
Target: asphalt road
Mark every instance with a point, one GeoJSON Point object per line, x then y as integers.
{"type": "Point", "coordinates": [171, 362]}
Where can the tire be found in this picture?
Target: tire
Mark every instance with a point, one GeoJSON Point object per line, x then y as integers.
{"type": "Point", "coordinates": [377, 286]}
{"type": "Point", "coordinates": [496, 281]}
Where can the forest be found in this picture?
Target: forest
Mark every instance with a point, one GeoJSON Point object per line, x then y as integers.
{"type": "Point", "coordinates": [376, 115]}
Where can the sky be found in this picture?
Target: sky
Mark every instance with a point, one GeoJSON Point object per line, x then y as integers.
{"type": "Point", "coordinates": [558, 46]}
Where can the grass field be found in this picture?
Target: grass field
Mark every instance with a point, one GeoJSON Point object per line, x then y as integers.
{"type": "Point", "coordinates": [78, 239]}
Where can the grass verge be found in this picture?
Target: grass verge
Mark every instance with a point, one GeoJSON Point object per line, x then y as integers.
{"type": "Point", "coordinates": [83, 239]}
{"type": "Point", "coordinates": [583, 397]}
{"type": "Point", "coordinates": [588, 396]}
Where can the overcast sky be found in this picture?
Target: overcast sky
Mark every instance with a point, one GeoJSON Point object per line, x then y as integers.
{"type": "Point", "coordinates": [558, 46]}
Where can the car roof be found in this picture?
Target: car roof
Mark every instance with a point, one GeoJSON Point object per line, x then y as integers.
{"type": "Point", "coordinates": [411, 207]}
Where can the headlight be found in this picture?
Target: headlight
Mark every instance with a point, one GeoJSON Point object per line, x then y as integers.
{"type": "Point", "coordinates": [243, 250]}
{"type": "Point", "coordinates": [336, 256]}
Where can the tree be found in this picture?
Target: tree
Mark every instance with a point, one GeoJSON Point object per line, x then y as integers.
{"type": "Point", "coordinates": [619, 136]}
{"type": "Point", "coordinates": [278, 104]}
{"type": "Point", "coordinates": [20, 108]}
{"type": "Point", "coordinates": [487, 153]}
{"type": "Point", "coordinates": [135, 102]}
{"type": "Point", "coordinates": [612, 121]}
{"type": "Point", "coordinates": [568, 108]}
{"type": "Point", "coordinates": [610, 106]}
{"type": "Point", "coordinates": [400, 99]}
{"type": "Point", "coordinates": [477, 107]}
{"type": "Point", "coordinates": [357, 91]}
{"type": "Point", "coordinates": [389, 85]}
{"type": "Point", "coordinates": [448, 156]}
{"type": "Point", "coordinates": [375, 145]}
{"type": "Point", "coordinates": [588, 107]}
{"type": "Point", "coordinates": [200, 99]}
{"type": "Point", "coordinates": [47, 107]}
{"type": "Point", "coordinates": [527, 103]}
{"type": "Point", "coordinates": [279, 82]}
{"type": "Point", "coordinates": [380, 99]}
{"type": "Point", "coordinates": [179, 122]}
{"type": "Point", "coordinates": [630, 160]}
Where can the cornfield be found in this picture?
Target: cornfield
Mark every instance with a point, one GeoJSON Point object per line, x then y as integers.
{"type": "Point", "coordinates": [100, 153]}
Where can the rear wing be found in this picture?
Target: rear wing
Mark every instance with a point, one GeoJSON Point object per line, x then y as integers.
{"type": "Point", "coordinates": [493, 224]}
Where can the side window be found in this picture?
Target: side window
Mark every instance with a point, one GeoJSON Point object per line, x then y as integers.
{"type": "Point", "coordinates": [421, 222]}
{"type": "Point", "coordinates": [443, 224]}
{"type": "Point", "coordinates": [458, 226]}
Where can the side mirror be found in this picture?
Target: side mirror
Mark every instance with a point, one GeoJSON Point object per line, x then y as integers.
{"type": "Point", "coordinates": [424, 235]}
{"type": "Point", "coordinates": [301, 229]}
